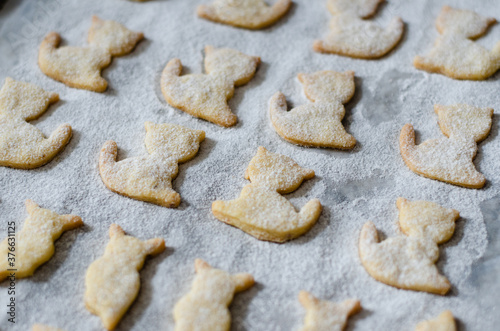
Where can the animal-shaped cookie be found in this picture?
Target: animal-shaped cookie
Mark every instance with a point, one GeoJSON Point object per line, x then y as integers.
{"type": "Point", "coordinates": [205, 307]}
{"type": "Point", "coordinates": [261, 210]}
{"type": "Point", "coordinates": [351, 35]}
{"type": "Point", "coordinates": [318, 124]}
{"type": "Point", "coordinates": [454, 53]}
{"type": "Point", "coordinates": [206, 95]}
{"type": "Point", "coordinates": [326, 315]}
{"type": "Point", "coordinates": [449, 159]}
{"type": "Point", "coordinates": [248, 14]}
{"type": "Point", "coordinates": [112, 282]}
{"type": "Point", "coordinates": [34, 244]}
{"type": "Point", "coordinates": [149, 178]}
{"type": "Point", "coordinates": [80, 67]}
{"type": "Point", "coordinates": [40, 327]}
{"type": "Point", "coordinates": [408, 262]}
{"type": "Point", "coordinates": [444, 322]}
{"type": "Point", "coordinates": [22, 145]}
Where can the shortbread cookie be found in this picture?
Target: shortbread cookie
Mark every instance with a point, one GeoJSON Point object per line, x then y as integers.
{"type": "Point", "coordinates": [34, 244]}
{"type": "Point", "coordinates": [40, 327]}
{"type": "Point", "coordinates": [149, 178]}
{"type": "Point", "coordinates": [112, 281]}
{"type": "Point", "coordinates": [318, 124]}
{"type": "Point", "coordinates": [80, 67]}
{"type": "Point", "coordinates": [449, 159]}
{"type": "Point", "coordinates": [326, 315]}
{"type": "Point", "coordinates": [409, 262]}
{"type": "Point", "coordinates": [261, 210]}
{"type": "Point", "coordinates": [248, 14]}
{"type": "Point", "coordinates": [444, 322]}
{"type": "Point", "coordinates": [206, 95]}
{"type": "Point", "coordinates": [351, 35]}
{"type": "Point", "coordinates": [454, 53]}
{"type": "Point", "coordinates": [22, 145]}
{"type": "Point", "coordinates": [205, 307]}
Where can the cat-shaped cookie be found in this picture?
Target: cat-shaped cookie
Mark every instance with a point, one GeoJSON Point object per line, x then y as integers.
{"type": "Point", "coordinates": [454, 53]}
{"type": "Point", "coordinates": [80, 67]}
{"type": "Point", "coordinates": [317, 124]}
{"type": "Point", "coordinates": [149, 178]}
{"type": "Point", "coordinates": [22, 145]}
{"type": "Point", "coordinates": [112, 282]}
{"type": "Point", "coordinates": [322, 315]}
{"type": "Point", "coordinates": [444, 322]}
{"type": "Point", "coordinates": [206, 95]}
{"type": "Point", "coordinates": [205, 307]}
{"type": "Point", "coordinates": [248, 14]}
{"type": "Point", "coordinates": [351, 35]}
{"type": "Point", "coordinates": [34, 244]}
{"type": "Point", "coordinates": [408, 262]}
{"type": "Point", "coordinates": [261, 210]}
{"type": "Point", "coordinates": [449, 159]}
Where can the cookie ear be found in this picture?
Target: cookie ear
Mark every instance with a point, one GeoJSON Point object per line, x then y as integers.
{"type": "Point", "coordinates": [30, 206]}
{"type": "Point", "coordinates": [149, 126]}
{"type": "Point", "coordinates": [200, 265]}
{"type": "Point", "coordinates": [243, 281]}
{"type": "Point", "coordinates": [401, 203]}
{"type": "Point", "coordinates": [116, 231]}
{"type": "Point", "coordinates": [307, 299]}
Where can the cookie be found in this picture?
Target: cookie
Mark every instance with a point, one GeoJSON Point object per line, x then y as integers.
{"type": "Point", "coordinates": [22, 145]}
{"type": "Point", "coordinates": [444, 322]}
{"type": "Point", "coordinates": [261, 210]}
{"type": "Point", "coordinates": [449, 159]}
{"type": "Point", "coordinates": [205, 307]}
{"type": "Point", "coordinates": [318, 124]}
{"type": "Point", "coordinates": [408, 262]}
{"type": "Point", "coordinates": [112, 282]}
{"type": "Point", "coordinates": [34, 244]}
{"type": "Point", "coordinates": [40, 327]}
{"type": "Point", "coordinates": [326, 315]}
{"type": "Point", "coordinates": [248, 14]}
{"type": "Point", "coordinates": [206, 95]}
{"type": "Point", "coordinates": [351, 35]}
{"type": "Point", "coordinates": [149, 178]}
{"type": "Point", "coordinates": [80, 67]}
{"type": "Point", "coordinates": [455, 54]}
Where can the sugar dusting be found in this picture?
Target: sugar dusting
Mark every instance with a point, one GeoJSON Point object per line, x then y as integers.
{"type": "Point", "coordinates": [353, 186]}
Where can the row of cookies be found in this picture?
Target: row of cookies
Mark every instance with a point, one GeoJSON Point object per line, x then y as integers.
{"type": "Point", "coordinates": [112, 282]}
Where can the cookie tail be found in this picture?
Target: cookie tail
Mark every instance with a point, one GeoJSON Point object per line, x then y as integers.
{"type": "Point", "coordinates": [50, 42]}
{"type": "Point", "coordinates": [107, 158]}
{"type": "Point", "coordinates": [207, 12]}
{"type": "Point", "coordinates": [407, 142]}
{"type": "Point", "coordinates": [71, 222]}
{"type": "Point", "coordinates": [171, 70]}
{"type": "Point", "coordinates": [279, 9]}
{"type": "Point", "coordinates": [368, 235]}
{"type": "Point", "coordinates": [496, 51]}
{"type": "Point", "coordinates": [309, 214]}
{"type": "Point", "coordinates": [155, 246]}
{"type": "Point", "coordinates": [277, 106]}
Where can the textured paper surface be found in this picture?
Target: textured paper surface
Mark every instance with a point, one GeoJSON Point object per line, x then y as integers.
{"type": "Point", "coordinates": [354, 186]}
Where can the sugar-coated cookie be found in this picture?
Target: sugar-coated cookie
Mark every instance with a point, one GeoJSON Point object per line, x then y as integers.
{"type": "Point", "coordinates": [454, 53]}
{"type": "Point", "coordinates": [34, 244]}
{"type": "Point", "coordinates": [449, 159]}
{"type": "Point", "coordinates": [318, 124]}
{"type": "Point", "coordinates": [22, 145]}
{"type": "Point", "coordinates": [80, 67]}
{"type": "Point", "coordinates": [41, 327]}
{"type": "Point", "coordinates": [248, 14]}
{"type": "Point", "coordinates": [205, 307]}
{"type": "Point", "coordinates": [261, 210]}
{"type": "Point", "coordinates": [444, 322]}
{"type": "Point", "coordinates": [326, 315]}
{"type": "Point", "coordinates": [112, 282]}
{"type": "Point", "coordinates": [206, 95]}
{"type": "Point", "coordinates": [408, 262]}
{"type": "Point", "coordinates": [149, 178]}
{"type": "Point", "coordinates": [351, 35]}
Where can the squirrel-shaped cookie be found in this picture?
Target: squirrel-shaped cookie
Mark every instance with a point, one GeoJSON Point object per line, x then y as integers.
{"type": "Point", "coordinates": [248, 14]}
{"type": "Point", "coordinates": [449, 159]}
{"type": "Point", "coordinates": [444, 322]}
{"type": "Point", "coordinates": [408, 262]}
{"type": "Point", "coordinates": [34, 244]}
{"type": "Point", "coordinates": [351, 35]}
{"type": "Point", "coordinates": [22, 145]}
{"type": "Point", "coordinates": [80, 67]}
{"type": "Point", "coordinates": [261, 210]}
{"type": "Point", "coordinates": [206, 95]}
{"type": "Point", "coordinates": [324, 315]}
{"type": "Point", "coordinates": [205, 307]}
{"type": "Point", "coordinates": [455, 54]}
{"type": "Point", "coordinates": [149, 178]}
{"type": "Point", "coordinates": [318, 124]}
{"type": "Point", "coordinates": [112, 282]}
